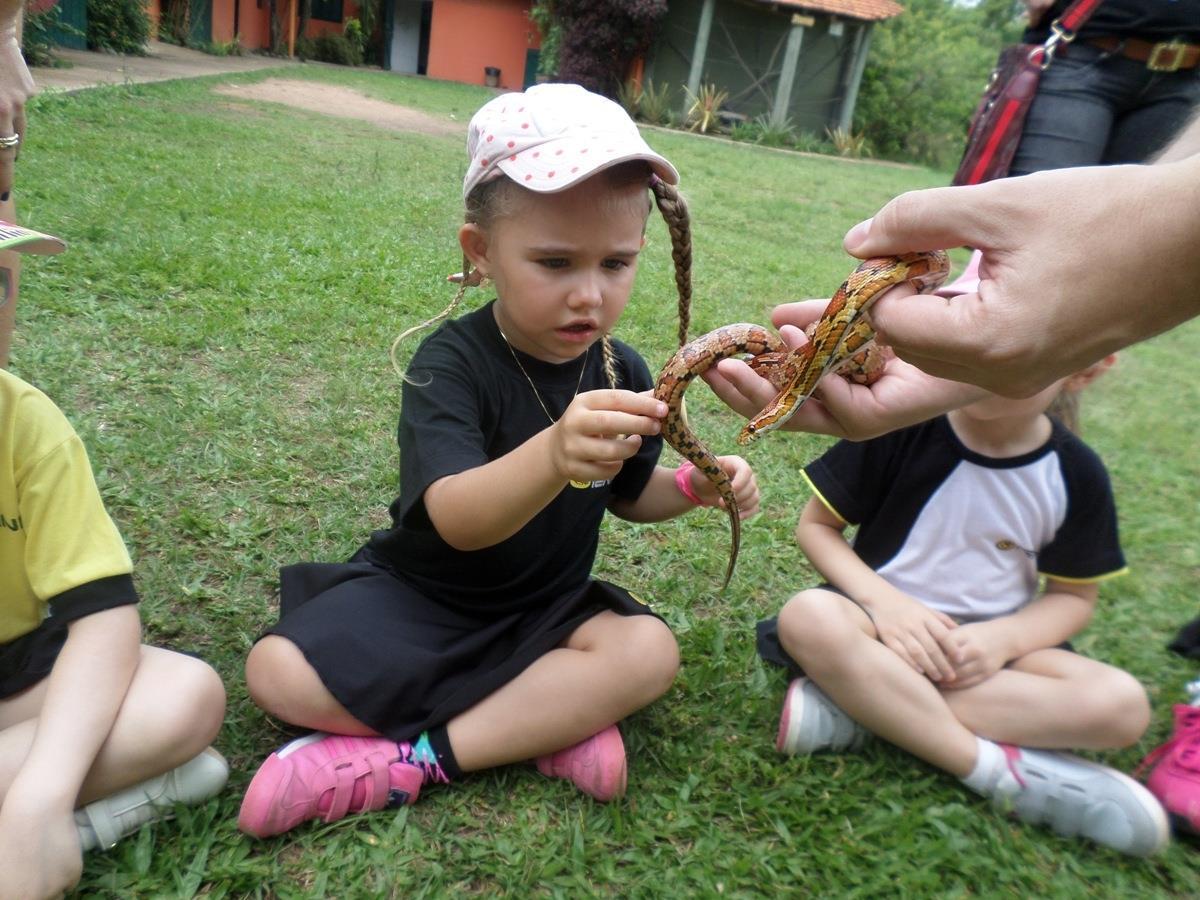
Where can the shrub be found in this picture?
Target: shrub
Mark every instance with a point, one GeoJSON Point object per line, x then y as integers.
{"type": "Point", "coordinates": [847, 143]}
{"type": "Point", "coordinates": [704, 113]}
{"type": "Point", "coordinates": [222, 48]}
{"type": "Point", "coordinates": [330, 48]}
{"type": "Point", "coordinates": [744, 131]}
{"type": "Point", "coordinates": [600, 38]}
{"type": "Point", "coordinates": [772, 135]}
{"type": "Point", "coordinates": [542, 16]}
{"type": "Point", "coordinates": [629, 95]}
{"type": "Point", "coordinates": [656, 103]}
{"type": "Point", "coordinates": [122, 26]}
{"type": "Point", "coordinates": [353, 31]}
{"type": "Point", "coordinates": [174, 22]}
{"type": "Point", "coordinates": [37, 40]}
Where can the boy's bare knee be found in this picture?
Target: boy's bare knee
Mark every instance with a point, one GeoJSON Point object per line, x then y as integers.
{"type": "Point", "coordinates": [1115, 708]}
{"type": "Point", "coordinates": [1128, 708]}
{"type": "Point", "coordinates": [811, 627]}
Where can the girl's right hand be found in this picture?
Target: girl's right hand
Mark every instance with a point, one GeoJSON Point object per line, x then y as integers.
{"type": "Point", "coordinates": [600, 430]}
{"type": "Point", "coordinates": [915, 633]}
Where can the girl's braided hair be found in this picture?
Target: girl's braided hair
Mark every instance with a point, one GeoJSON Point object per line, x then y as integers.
{"type": "Point", "coordinates": [495, 199]}
{"type": "Point", "coordinates": [1065, 408]}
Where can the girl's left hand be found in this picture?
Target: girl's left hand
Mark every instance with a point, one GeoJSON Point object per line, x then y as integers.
{"type": "Point", "coordinates": [745, 486]}
{"type": "Point", "coordinates": [977, 651]}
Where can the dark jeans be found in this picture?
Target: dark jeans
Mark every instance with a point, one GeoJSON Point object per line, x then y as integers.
{"type": "Point", "coordinates": [1093, 107]}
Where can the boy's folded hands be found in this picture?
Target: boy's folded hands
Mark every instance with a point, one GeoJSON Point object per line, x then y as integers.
{"type": "Point", "coordinates": [977, 650]}
{"type": "Point", "coordinates": [914, 632]}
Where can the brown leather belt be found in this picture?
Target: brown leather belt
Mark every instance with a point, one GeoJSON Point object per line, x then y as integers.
{"type": "Point", "coordinates": [1165, 56]}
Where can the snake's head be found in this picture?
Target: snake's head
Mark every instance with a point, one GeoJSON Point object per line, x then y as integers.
{"type": "Point", "coordinates": [927, 269]}
{"type": "Point", "coordinates": [748, 435]}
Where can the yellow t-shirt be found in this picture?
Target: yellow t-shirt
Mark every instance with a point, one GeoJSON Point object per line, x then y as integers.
{"type": "Point", "coordinates": [58, 546]}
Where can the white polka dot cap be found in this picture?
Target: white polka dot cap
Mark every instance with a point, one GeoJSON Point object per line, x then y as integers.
{"type": "Point", "coordinates": [553, 136]}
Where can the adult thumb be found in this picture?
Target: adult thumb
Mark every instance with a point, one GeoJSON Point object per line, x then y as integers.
{"type": "Point", "coordinates": [934, 219]}
{"type": "Point", "coordinates": [928, 327]}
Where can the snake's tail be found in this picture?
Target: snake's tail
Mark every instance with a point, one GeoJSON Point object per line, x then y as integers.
{"type": "Point", "coordinates": [674, 210]}
{"type": "Point", "coordinates": [735, 534]}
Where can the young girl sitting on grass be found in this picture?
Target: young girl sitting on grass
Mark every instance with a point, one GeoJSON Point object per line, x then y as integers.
{"type": "Point", "coordinates": [98, 733]}
{"type": "Point", "coordinates": [931, 631]}
{"type": "Point", "coordinates": [470, 634]}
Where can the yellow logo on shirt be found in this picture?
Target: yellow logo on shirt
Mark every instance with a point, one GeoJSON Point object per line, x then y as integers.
{"type": "Point", "coordinates": [585, 485]}
{"type": "Point", "coordinates": [1010, 545]}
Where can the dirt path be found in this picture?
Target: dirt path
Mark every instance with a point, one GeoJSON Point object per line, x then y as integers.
{"type": "Point", "coordinates": [345, 103]}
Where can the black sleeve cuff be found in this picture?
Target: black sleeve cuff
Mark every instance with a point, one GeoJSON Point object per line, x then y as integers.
{"type": "Point", "coordinates": [93, 597]}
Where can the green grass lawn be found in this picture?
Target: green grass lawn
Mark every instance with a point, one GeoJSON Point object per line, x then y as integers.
{"type": "Point", "coordinates": [218, 332]}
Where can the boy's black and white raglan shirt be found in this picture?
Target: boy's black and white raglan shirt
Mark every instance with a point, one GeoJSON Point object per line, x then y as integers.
{"type": "Point", "coordinates": [969, 534]}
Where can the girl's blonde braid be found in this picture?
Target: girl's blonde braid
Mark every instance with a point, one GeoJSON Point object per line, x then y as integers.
{"type": "Point", "coordinates": [675, 211]}
{"type": "Point", "coordinates": [1065, 408]}
{"type": "Point", "coordinates": [609, 357]}
{"type": "Point", "coordinates": [458, 295]}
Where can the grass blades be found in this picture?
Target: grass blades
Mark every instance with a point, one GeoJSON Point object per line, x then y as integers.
{"type": "Point", "coordinates": [218, 332]}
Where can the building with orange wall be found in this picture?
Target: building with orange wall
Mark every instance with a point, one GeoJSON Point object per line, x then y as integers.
{"type": "Point", "coordinates": [452, 39]}
{"type": "Point", "coordinates": [459, 40]}
{"type": "Point", "coordinates": [221, 21]}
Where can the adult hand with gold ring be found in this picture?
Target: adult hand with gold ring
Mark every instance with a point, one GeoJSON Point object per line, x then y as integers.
{"type": "Point", "coordinates": [16, 87]}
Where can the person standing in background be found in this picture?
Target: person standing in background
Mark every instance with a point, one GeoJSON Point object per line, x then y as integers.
{"type": "Point", "coordinates": [1119, 91]}
{"type": "Point", "coordinates": [16, 86]}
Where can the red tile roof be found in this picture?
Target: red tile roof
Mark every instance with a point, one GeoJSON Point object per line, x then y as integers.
{"type": "Point", "coordinates": [869, 10]}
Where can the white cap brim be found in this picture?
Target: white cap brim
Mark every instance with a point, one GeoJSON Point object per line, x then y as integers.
{"type": "Point", "coordinates": [26, 240]}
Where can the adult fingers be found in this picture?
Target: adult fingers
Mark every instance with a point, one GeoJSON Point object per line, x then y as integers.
{"type": "Point", "coordinates": [8, 154]}
{"type": "Point", "coordinates": [21, 124]}
{"type": "Point", "coordinates": [933, 219]}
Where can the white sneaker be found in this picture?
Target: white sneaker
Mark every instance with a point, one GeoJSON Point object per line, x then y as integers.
{"type": "Point", "coordinates": [1076, 797]}
{"type": "Point", "coordinates": [810, 722]}
{"type": "Point", "coordinates": [105, 821]}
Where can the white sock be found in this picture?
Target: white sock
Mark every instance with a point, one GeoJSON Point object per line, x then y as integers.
{"type": "Point", "coordinates": [991, 769]}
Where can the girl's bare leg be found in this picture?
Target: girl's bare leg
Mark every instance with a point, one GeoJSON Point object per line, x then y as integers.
{"type": "Point", "coordinates": [609, 667]}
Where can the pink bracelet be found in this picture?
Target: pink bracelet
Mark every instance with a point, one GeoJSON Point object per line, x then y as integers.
{"type": "Point", "coordinates": [683, 481]}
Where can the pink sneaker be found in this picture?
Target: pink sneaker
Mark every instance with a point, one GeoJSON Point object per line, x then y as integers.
{"type": "Point", "coordinates": [1175, 780]}
{"type": "Point", "coordinates": [326, 776]}
{"type": "Point", "coordinates": [596, 766]}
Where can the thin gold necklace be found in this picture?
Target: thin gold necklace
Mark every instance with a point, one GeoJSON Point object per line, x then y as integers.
{"type": "Point", "coordinates": [533, 387]}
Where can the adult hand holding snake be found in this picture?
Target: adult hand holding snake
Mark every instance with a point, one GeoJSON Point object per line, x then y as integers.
{"type": "Point", "coordinates": [1077, 263]}
{"type": "Point", "coordinates": [902, 396]}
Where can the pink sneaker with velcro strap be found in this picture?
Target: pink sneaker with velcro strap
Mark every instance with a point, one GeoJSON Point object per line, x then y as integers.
{"type": "Point", "coordinates": [326, 776]}
{"type": "Point", "coordinates": [596, 766]}
{"type": "Point", "coordinates": [1175, 779]}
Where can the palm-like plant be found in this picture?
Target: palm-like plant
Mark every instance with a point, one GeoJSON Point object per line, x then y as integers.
{"type": "Point", "coordinates": [705, 109]}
